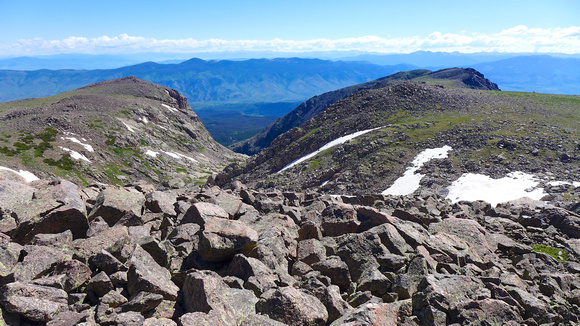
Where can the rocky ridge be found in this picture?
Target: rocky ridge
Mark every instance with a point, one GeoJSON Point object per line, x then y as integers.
{"type": "Point", "coordinates": [456, 77]}
{"type": "Point", "coordinates": [135, 255]}
{"type": "Point", "coordinates": [491, 133]}
{"type": "Point", "coordinates": [118, 131]}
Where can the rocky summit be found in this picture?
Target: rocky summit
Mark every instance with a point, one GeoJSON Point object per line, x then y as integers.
{"type": "Point", "coordinates": [115, 132]}
{"type": "Point", "coordinates": [112, 211]}
{"type": "Point", "coordinates": [134, 255]}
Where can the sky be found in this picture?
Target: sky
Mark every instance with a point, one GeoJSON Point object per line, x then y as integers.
{"type": "Point", "coordinates": [41, 27]}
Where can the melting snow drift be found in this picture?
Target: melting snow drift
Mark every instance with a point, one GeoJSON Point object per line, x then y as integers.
{"type": "Point", "coordinates": [333, 143]}
{"type": "Point", "coordinates": [409, 182]}
{"type": "Point", "coordinates": [515, 185]}
{"type": "Point", "coordinates": [28, 176]}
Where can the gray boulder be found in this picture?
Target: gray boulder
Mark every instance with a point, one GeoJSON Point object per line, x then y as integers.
{"type": "Point", "coordinates": [206, 292]}
{"type": "Point", "coordinates": [146, 275]}
{"type": "Point", "coordinates": [221, 239]}
{"type": "Point", "coordinates": [115, 203]}
{"type": "Point", "coordinates": [35, 302]}
{"type": "Point", "coordinates": [293, 307]}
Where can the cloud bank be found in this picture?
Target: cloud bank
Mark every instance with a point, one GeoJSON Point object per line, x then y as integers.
{"type": "Point", "coordinates": [516, 39]}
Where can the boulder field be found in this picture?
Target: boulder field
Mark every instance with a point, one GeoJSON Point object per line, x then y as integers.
{"type": "Point", "coordinates": [134, 255]}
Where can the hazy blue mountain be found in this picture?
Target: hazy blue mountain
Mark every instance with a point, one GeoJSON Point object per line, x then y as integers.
{"type": "Point", "coordinates": [86, 61]}
{"type": "Point", "coordinates": [256, 80]}
{"type": "Point", "coordinates": [535, 73]}
{"type": "Point", "coordinates": [432, 59]}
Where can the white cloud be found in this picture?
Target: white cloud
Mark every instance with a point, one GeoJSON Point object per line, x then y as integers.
{"type": "Point", "coordinates": [515, 39]}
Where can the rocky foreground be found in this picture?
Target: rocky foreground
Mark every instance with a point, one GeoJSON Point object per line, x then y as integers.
{"type": "Point", "coordinates": [132, 255]}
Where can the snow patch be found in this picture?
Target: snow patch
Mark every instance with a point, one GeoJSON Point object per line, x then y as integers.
{"type": "Point", "coordinates": [144, 119]}
{"type": "Point", "coordinates": [333, 143]}
{"type": "Point", "coordinates": [178, 156]}
{"type": "Point", "coordinates": [515, 185]}
{"type": "Point", "coordinates": [28, 176]}
{"type": "Point", "coordinates": [127, 126]}
{"type": "Point", "coordinates": [170, 108]}
{"type": "Point", "coordinates": [75, 155]}
{"type": "Point", "coordinates": [151, 153]}
{"type": "Point", "coordinates": [74, 140]}
{"type": "Point", "coordinates": [410, 180]}
{"type": "Point", "coordinates": [564, 183]}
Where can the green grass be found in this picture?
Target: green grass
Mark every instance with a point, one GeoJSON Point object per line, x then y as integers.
{"type": "Point", "coordinates": [558, 254]}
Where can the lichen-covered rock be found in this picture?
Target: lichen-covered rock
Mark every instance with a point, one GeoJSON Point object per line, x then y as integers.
{"type": "Point", "coordinates": [293, 307]}
{"type": "Point", "coordinates": [146, 275]}
{"type": "Point", "coordinates": [205, 291]}
{"type": "Point", "coordinates": [35, 302]}
{"type": "Point", "coordinates": [114, 203]}
{"type": "Point", "coordinates": [221, 239]}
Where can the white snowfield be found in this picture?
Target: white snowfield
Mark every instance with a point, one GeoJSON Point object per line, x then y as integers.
{"type": "Point", "coordinates": [28, 176]}
{"type": "Point", "coordinates": [409, 182]}
{"type": "Point", "coordinates": [171, 154]}
{"type": "Point", "coordinates": [515, 185]}
{"type": "Point", "coordinates": [75, 155]}
{"type": "Point", "coordinates": [333, 143]}
{"type": "Point", "coordinates": [170, 108]}
{"type": "Point", "coordinates": [75, 140]}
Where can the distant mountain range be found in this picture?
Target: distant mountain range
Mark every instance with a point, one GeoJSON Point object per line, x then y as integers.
{"type": "Point", "coordinates": [256, 80]}
{"type": "Point", "coordinates": [284, 79]}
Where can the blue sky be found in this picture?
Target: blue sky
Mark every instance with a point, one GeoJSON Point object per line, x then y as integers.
{"type": "Point", "coordinates": [126, 26]}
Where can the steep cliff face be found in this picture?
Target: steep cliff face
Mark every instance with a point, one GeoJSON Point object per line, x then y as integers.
{"type": "Point", "coordinates": [455, 77]}
{"type": "Point", "coordinates": [116, 131]}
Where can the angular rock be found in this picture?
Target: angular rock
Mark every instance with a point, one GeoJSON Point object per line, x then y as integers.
{"type": "Point", "coordinates": [205, 291]}
{"type": "Point", "coordinates": [35, 302]}
{"type": "Point", "coordinates": [100, 284]}
{"type": "Point", "coordinates": [107, 263]}
{"type": "Point", "coordinates": [391, 238]}
{"type": "Point", "coordinates": [9, 255]}
{"type": "Point", "coordinates": [359, 251]}
{"type": "Point", "coordinates": [370, 314]}
{"type": "Point", "coordinates": [75, 273]}
{"type": "Point", "coordinates": [161, 202]}
{"type": "Point", "coordinates": [68, 318]}
{"type": "Point", "coordinates": [86, 248]}
{"type": "Point", "coordinates": [437, 294]}
{"type": "Point", "coordinates": [293, 307]}
{"type": "Point", "coordinates": [310, 251]}
{"type": "Point", "coordinates": [336, 270]}
{"type": "Point", "coordinates": [339, 219]}
{"type": "Point", "coordinates": [130, 318]}
{"type": "Point", "coordinates": [39, 261]}
{"type": "Point", "coordinates": [146, 275]}
{"type": "Point", "coordinates": [160, 322]}
{"type": "Point", "coordinates": [142, 302]}
{"type": "Point", "coordinates": [221, 239]}
{"type": "Point", "coordinates": [489, 311]}
{"type": "Point", "coordinates": [70, 214]}
{"type": "Point", "coordinates": [374, 281]}
{"type": "Point", "coordinates": [200, 213]}
{"type": "Point", "coordinates": [114, 203]}
{"type": "Point", "coordinates": [253, 272]}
